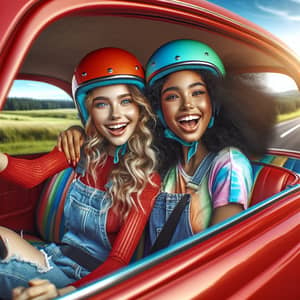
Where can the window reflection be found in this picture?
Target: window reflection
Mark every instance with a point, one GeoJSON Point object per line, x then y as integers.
{"type": "Point", "coordinates": [287, 99]}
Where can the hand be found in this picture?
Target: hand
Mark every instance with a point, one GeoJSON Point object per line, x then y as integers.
{"type": "Point", "coordinates": [70, 141]}
{"type": "Point", "coordinates": [38, 289]}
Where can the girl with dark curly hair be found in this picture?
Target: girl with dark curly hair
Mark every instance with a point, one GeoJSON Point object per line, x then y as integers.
{"type": "Point", "coordinates": [206, 117]}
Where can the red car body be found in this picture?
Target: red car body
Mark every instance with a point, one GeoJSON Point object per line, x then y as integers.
{"type": "Point", "coordinates": [254, 255]}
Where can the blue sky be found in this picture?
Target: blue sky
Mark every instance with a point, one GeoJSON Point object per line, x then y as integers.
{"type": "Point", "coordinates": [280, 17]}
{"type": "Point", "coordinates": [37, 90]}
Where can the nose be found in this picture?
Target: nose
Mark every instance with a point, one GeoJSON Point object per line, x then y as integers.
{"type": "Point", "coordinates": [115, 112]}
{"type": "Point", "coordinates": [187, 102]}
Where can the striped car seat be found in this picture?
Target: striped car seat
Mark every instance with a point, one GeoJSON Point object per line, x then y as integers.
{"type": "Point", "coordinates": [269, 179]}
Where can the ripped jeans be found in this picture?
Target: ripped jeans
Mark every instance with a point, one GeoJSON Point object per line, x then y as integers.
{"type": "Point", "coordinates": [16, 272]}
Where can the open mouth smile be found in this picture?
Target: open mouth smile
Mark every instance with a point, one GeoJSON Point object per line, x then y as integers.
{"type": "Point", "coordinates": [189, 123]}
{"type": "Point", "coordinates": [117, 129]}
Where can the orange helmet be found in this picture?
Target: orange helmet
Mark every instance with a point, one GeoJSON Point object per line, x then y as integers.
{"type": "Point", "coordinates": [102, 67]}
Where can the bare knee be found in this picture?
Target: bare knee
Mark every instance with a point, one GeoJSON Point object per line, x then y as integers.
{"type": "Point", "coordinates": [3, 249]}
{"type": "Point", "coordinates": [12, 244]}
{"type": "Point", "coordinates": [5, 234]}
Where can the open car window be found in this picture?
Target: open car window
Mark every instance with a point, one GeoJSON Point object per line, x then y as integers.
{"type": "Point", "coordinates": [33, 116]}
{"type": "Point", "coordinates": [287, 100]}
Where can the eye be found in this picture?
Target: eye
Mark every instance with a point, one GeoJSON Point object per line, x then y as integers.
{"type": "Point", "coordinates": [100, 104]}
{"type": "Point", "coordinates": [170, 97]}
{"type": "Point", "coordinates": [126, 101]}
{"type": "Point", "coordinates": [198, 93]}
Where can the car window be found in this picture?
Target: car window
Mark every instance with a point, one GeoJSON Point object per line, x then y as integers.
{"type": "Point", "coordinates": [287, 98]}
{"type": "Point", "coordinates": [33, 116]}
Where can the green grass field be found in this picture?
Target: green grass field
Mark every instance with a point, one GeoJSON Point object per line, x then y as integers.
{"type": "Point", "coordinates": [33, 131]}
{"type": "Point", "coordinates": [285, 117]}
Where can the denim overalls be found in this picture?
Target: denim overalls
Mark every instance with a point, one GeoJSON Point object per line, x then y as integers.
{"type": "Point", "coordinates": [166, 202]}
{"type": "Point", "coordinates": [85, 214]}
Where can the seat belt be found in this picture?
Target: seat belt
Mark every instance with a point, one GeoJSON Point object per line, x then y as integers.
{"type": "Point", "coordinates": [167, 231]}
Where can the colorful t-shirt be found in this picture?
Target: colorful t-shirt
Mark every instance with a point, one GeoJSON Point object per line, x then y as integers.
{"type": "Point", "coordinates": [229, 180]}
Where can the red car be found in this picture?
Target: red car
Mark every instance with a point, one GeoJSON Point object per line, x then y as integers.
{"type": "Point", "coordinates": [253, 255]}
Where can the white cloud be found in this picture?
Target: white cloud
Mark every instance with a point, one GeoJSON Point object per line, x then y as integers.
{"type": "Point", "coordinates": [279, 11]}
{"type": "Point", "coordinates": [37, 90]}
{"type": "Point", "coordinates": [31, 84]}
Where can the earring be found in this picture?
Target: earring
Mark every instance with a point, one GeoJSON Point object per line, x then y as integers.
{"type": "Point", "coordinates": [211, 122]}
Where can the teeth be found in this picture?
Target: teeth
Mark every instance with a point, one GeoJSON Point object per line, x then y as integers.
{"type": "Point", "coordinates": [189, 118]}
{"type": "Point", "coordinates": [116, 126]}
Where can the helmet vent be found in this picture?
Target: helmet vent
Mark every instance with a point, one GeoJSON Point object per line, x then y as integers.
{"type": "Point", "coordinates": [110, 70]}
{"type": "Point", "coordinates": [83, 74]}
{"type": "Point", "coordinates": [206, 53]}
{"type": "Point", "coordinates": [137, 67]}
{"type": "Point", "coordinates": [177, 57]}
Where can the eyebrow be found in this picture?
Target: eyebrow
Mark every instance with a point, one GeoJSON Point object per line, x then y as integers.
{"type": "Point", "coordinates": [175, 88]}
{"type": "Point", "coordinates": [124, 95]}
{"type": "Point", "coordinates": [99, 98]}
{"type": "Point", "coordinates": [106, 98]}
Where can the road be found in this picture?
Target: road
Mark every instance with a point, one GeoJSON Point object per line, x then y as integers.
{"type": "Point", "coordinates": [287, 135]}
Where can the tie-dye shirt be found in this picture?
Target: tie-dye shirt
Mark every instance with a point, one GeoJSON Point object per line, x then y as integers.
{"type": "Point", "coordinates": [228, 181]}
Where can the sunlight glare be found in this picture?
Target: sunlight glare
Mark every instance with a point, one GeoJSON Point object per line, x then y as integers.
{"type": "Point", "coordinates": [280, 83]}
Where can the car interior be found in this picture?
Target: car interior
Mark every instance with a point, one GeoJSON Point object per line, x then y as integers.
{"type": "Point", "coordinates": [60, 42]}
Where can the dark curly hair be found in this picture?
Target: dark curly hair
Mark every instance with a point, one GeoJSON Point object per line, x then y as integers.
{"type": "Point", "coordinates": [244, 118]}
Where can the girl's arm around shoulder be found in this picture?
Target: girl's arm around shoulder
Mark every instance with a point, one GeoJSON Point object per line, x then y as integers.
{"type": "Point", "coordinates": [70, 142]}
{"type": "Point", "coordinates": [30, 172]}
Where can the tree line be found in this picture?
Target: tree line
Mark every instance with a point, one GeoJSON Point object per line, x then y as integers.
{"type": "Point", "coordinates": [288, 103]}
{"type": "Point", "coordinates": [15, 103]}
{"type": "Point", "coordinates": [285, 103]}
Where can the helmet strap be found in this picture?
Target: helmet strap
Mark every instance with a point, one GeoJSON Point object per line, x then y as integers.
{"type": "Point", "coordinates": [122, 149]}
{"type": "Point", "coordinates": [192, 145]}
{"type": "Point", "coordinates": [211, 122]}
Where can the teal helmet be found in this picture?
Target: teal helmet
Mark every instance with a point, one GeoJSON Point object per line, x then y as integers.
{"type": "Point", "coordinates": [180, 55]}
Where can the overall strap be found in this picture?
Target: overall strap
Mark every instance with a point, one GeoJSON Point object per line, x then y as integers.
{"type": "Point", "coordinates": [167, 231]}
{"type": "Point", "coordinates": [201, 171]}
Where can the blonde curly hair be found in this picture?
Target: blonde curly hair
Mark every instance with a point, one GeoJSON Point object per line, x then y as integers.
{"type": "Point", "coordinates": [135, 168]}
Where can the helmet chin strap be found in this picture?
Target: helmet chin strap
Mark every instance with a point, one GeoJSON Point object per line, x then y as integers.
{"type": "Point", "coordinates": [122, 149]}
{"type": "Point", "coordinates": [170, 135]}
{"type": "Point", "coordinates": [192, 145]}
